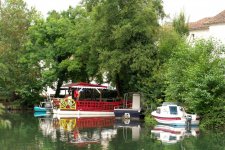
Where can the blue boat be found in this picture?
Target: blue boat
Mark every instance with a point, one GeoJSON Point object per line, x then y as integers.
{"type": "Point", "coordinates": [44, 107]}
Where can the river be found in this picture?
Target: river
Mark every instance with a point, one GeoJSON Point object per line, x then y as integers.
{"type": "Point", "coordinates": [30, 132]}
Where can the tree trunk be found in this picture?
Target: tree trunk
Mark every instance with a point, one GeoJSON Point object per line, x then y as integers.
{"type": "Point", "coordinates": [59, 84]}
{"type": "Point", "coordinates": [118, 85]}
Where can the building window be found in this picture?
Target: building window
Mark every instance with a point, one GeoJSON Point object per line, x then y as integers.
{"type": "Point", "coordinates": [193, 36]}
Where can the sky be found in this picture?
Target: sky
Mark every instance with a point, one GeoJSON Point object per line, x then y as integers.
{"type": "Point", "coordinates": [44, 6]}
{"type": "Point", "coordinates": [194, 9]}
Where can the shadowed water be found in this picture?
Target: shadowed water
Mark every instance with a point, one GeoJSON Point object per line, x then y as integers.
{"type": "Point", "coordinates": [29, 132]}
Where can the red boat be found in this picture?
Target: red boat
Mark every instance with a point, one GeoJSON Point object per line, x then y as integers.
{"type": "Point", "coordinates": [84, 99]}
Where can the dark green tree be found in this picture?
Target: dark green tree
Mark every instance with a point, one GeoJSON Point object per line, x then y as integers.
{"type": "Point", "coordinates": [125, 33]}
{"type": "Point", "coordinates": [61, 44]}
{"type": "Point", "coordinates": [168, 44]}
{"type": "Point", "coordinates": [16, 79]}
{"type": "Point", "coordinates": [48, 45]}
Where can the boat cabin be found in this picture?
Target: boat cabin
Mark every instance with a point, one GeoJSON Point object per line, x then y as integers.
{"type": "Point", "coordinates": [87, 97]}
{"type": "Point", "coordinates": [169, 108]}
{"type": "Point", "coordinates": [85, 91]}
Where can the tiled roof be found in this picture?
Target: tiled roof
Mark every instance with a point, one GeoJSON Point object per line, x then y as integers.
{"type": "Point", "coordinates": [200, 24]}
{"type": "Point", "coordinates": [220, 18]}
{"type": "Point", "coordinates": [205, 22]}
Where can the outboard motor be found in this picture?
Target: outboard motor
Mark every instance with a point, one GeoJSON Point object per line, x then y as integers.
{"type": "Point", "coordinates": [188, 122]}
{"type": "Point", "coordinates": [126, 116]}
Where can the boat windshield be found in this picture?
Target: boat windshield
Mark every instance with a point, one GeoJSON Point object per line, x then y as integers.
{"type": "Point", "coordinates": [46, 104]}
{"type": "Point", "coordinates": [158, 110]}
{"type": "Point", "coordinates": [173, 110]}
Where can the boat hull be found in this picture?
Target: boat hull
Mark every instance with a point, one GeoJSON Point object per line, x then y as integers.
{"type": "Point", "coordinates": [127, 113]}
{"type": "Point", "coordinates": [39, 109]}
{"type": "Point", "coordinates": [173, 120]}
{"type": "Point", "coordinates": [78, 113]}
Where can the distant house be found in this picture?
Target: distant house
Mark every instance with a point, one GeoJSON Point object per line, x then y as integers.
{"type": "Point", "coordinates": [209, 27]}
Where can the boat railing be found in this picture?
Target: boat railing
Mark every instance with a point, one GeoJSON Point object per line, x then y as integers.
{"type": "Point", "coordinates": [129, 105]}
{"type": "Point", "coordinates": [124, 104]}
{"type": "Point", "coordinates": [96, 106]}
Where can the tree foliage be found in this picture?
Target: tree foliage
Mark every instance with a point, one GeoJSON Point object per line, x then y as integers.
{"type": "Point", "coordinates": [168, 45]}
{"type": "Point", "coordinates": [180, 24]}
{"type": "Point", "coordinates": [61, 44]}
{"type": "Point", "coordinates": [125, 34]}
{"type": "Point", "coordinates": [16, 77]}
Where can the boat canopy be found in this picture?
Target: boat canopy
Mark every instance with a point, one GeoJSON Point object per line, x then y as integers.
{"type": "Point", "coordinates": [83, 85]}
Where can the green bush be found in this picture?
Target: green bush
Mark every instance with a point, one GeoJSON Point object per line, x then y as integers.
{"type": "Point", "coordinates": [150, 120]}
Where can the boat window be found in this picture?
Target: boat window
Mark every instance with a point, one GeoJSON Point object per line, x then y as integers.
{"type": "Point", "coordinates": [109, 95]}
{"type": "Point", "coordinates": [94, 94]}
{"type": "Point", "coordinates": [158, 110]}
{"type": "Point", "coordinates": [173, 110]}
{"type": "Point", "coordinates": [89, 94]}
{"type": "Point", "coordinates": [171, 138]}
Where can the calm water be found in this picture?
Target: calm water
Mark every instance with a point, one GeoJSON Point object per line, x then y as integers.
{"type": "Point", "coordinates": [50, 133]}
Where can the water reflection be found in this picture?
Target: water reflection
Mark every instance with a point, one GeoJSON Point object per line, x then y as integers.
{"type": "Point", "coordinates": [79, 131]}
{"type": "Point", "coordinates": [131, 128]}
{"type": "Point", "coordinates": [103, 131]}
{"type": "Point", "coordinates": [48, 132]}
{"type": "Point", "coordinates": [172, 134]}
{"type": "Point", "coordinates": [4, 123]}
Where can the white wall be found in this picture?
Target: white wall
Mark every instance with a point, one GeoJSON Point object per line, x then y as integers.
{"type": "Point", "coordinates": [216, 31]}
{"type": "Point", "coordinates": [199, 34]}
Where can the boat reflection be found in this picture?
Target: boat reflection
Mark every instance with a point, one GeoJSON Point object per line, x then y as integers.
{"type": "Point", "coordinates": [169, 134]}
{"type": "Point", "coordinates": [41, 114]}
{"type": "Point", "coordinates": [129, 126]}
{"type": "Point", "coordinates": [86, 131]}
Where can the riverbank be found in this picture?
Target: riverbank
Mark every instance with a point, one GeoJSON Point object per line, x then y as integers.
{"type": "Point", "coordinates": [12, 106]}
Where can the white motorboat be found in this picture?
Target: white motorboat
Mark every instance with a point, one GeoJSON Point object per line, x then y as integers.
{"type": "Point", "coordinates": [172, 114]}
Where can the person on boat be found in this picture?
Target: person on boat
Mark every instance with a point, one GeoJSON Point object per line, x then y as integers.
{"type": "Point", "coordinates": [76, 94]}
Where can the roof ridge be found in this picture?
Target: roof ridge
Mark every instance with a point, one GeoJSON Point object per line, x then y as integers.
{"type": "Point", "coordinates": [200, 24]}
{"type": "Point", "coordinates": [204, 23]}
